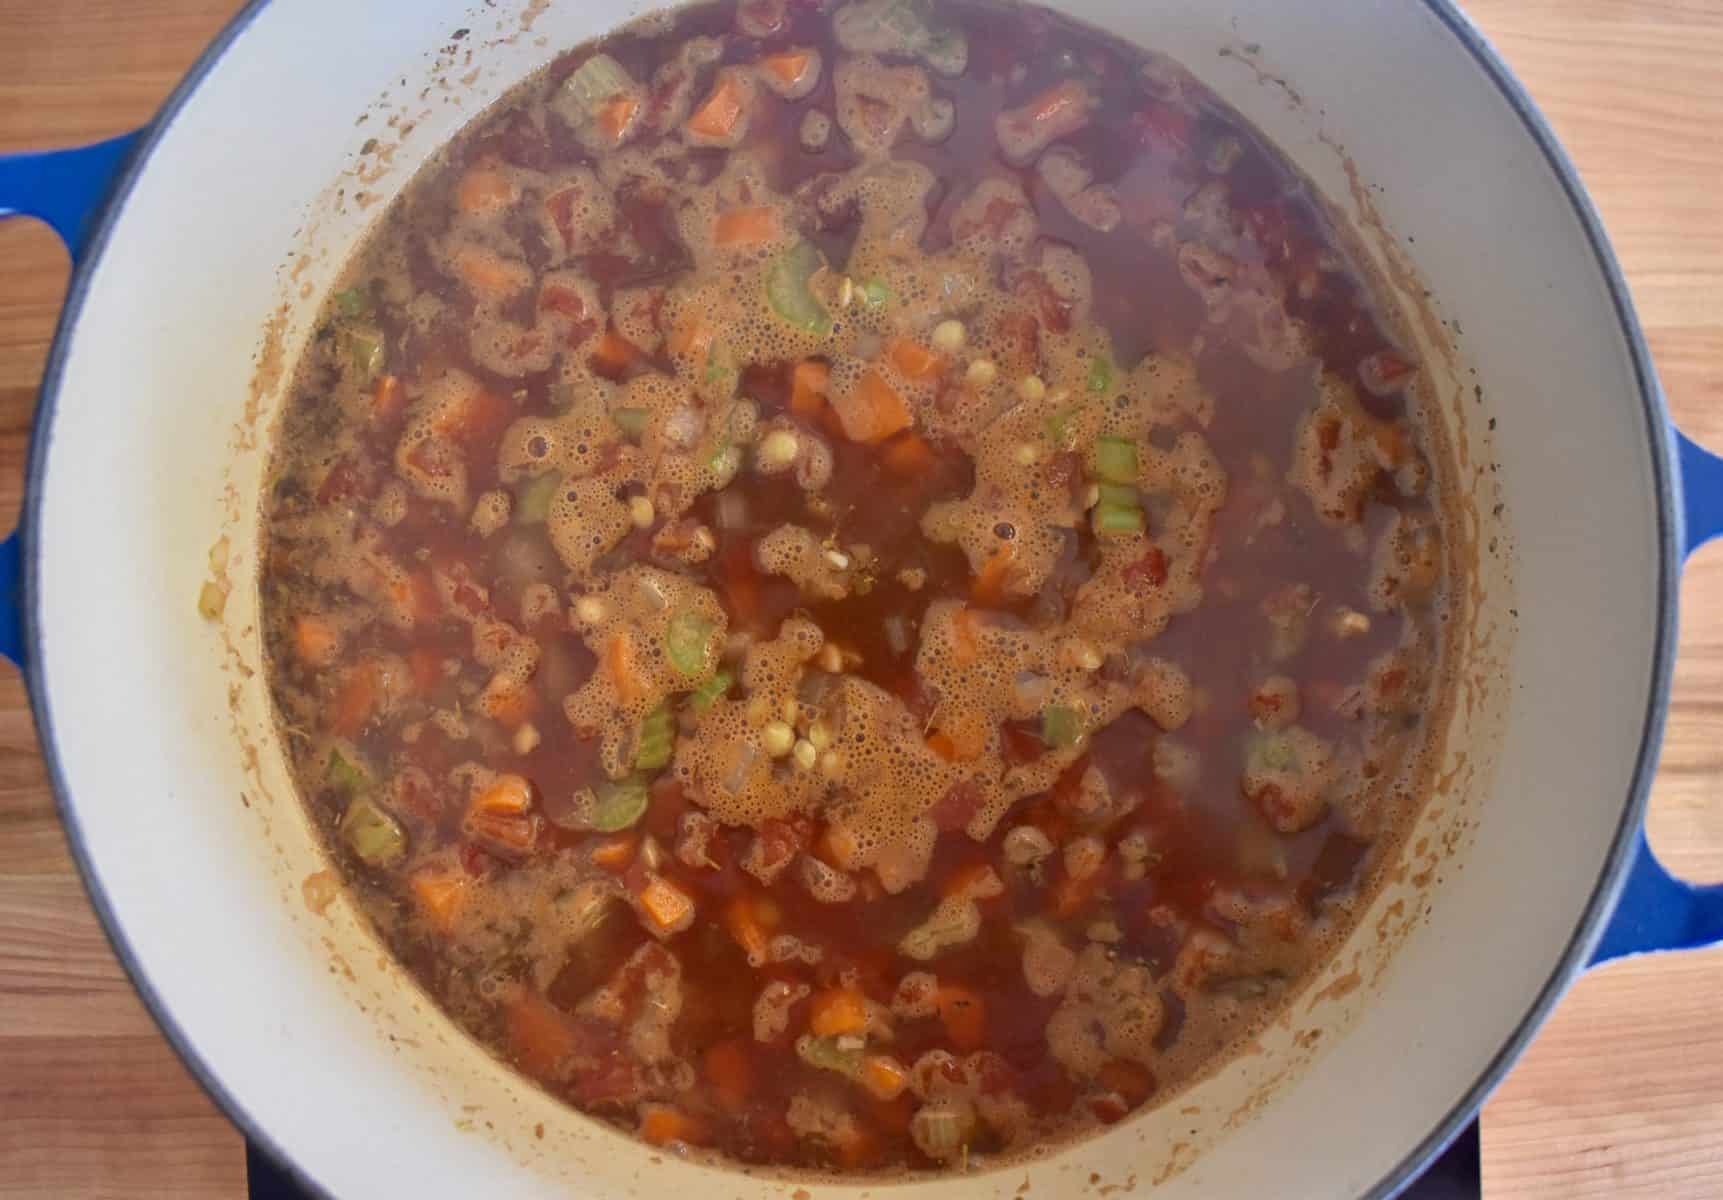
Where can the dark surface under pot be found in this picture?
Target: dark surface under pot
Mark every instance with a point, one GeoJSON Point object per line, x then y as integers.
{"type": "Point", "coordinates": [1454, 1176]}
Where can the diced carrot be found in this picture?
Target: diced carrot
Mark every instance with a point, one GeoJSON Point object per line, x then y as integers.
{"type": "Point", "coordinates": [966, 879]}
{"type": "Point", "coordinates": [836, 847]}
{"type": "Point", "coordinates": [614, 115]}
{"type": "Point", "coordinates": [508, 794]}
{"type": "Point", "coordinates": [730, 1071]}
{"type": "Point", "coordinates": [788, 67]}
{"type": "Point", "coordinates": [969, 738]}
{"type": "Point", "coordinates": [751, 226]}
{"type": "Point", "coordinates": [414, 597]}
{"type": "Point", "coordinates": [942, 744]}
{"type": "Point", "coordinates": [966, 637]}
{"type": "Point", "coordinates": [1072, 894]}
{"type": "Point", "coordinates": [388, 400]}
{"type": "Point", "coordinates": [660, 1125]}
{"type": "Point", "coordinates": [474, 417]}
{"type": "Point", "coordinates": [884, 1076]}
{"type": "Point", "coordinates": [489, 275]}
{"type": "Point", "coordinates": [718, 116]}
{"type": "Point", "coordinates": [874, 411]}
{"type": "Point", "coordinates": [909, 455]}
{"type": "Point", "coordinates": [485, 190]}
{"type": "Point", "coordinates": [615, 853]}
{"type": "Point", "coordinates": [426, 667]}
{"type": "Point", "coordinates": [441, 895]}
{"type": "Point", "coordinates": [837, 1011]}
{"type": "Point", "coordinates": [691, 337]}
{"type": "Point", "coordinates": [1133, 1081]}
{"type": "Point", "coordinates": [667, 906]}
{"type": "Point", "coordinates": [614, 355]}
{"type": "Point", "coordinates": [619, 664]}
{"type": "Point", "coordinates": [995, 575]}
{"type": "Point", "coordinates": [539, 1036]}
{"type": "Point", "coordinates": [315, 639]}
{"type": "Point", "coordinates": [808, 383]}
{"type": "Point", "coordinates": [355, 700]}
{"type": "Point", "coordinates": [964, 1015]}
{"type": "Point", "coordinates": [510, 706]}
{"type": "Point", "coordinates": [913, 360]}
{"type": "Point", "coordinates": [747, 924]}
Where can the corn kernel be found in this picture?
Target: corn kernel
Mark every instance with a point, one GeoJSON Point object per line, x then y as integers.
{"type": "Point", "coordinates": [779, 448]}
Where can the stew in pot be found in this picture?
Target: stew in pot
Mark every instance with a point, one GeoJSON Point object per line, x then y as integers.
{"type": "Point", "coordinates": [859, 586]}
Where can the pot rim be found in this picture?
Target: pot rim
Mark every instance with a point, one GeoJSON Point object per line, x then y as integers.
{"type": "Point", "coordinates": [1587, 929]}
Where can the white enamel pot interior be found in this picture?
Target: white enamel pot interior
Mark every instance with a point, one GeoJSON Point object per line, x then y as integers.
{"type": "Point", "coordinates": [241, 207]}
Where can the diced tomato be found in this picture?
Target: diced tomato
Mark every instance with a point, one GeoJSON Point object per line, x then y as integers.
{"type": "Point", "coordinates": [342, 483]}
{"type": "Point", "coordinates": [1149, 571]}
{"type": "Point", "coordinates": [562, 300]}
{"type": "Point", "coordinates": [1020, 744]}
{"type": "Point", "coordinates": [957, 807]}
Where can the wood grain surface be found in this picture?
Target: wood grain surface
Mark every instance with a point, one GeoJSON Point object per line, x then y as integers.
{"type": "Point", "coordinates": [1622, 1094]}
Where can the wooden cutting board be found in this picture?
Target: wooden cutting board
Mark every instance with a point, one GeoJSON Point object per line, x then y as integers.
{"type": "Point", "coordinates": [1621, 1096]}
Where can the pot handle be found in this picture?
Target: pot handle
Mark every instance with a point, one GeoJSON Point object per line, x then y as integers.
{"type": "Point", "coordinates": [65, 188]}
{"type": "Point", "coordinates": [1657, 911]}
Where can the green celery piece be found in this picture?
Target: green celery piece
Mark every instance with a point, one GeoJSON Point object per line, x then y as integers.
{"type": "Point", "coordinates": [372, 834]}
{"type": "Point", "coordinates": [1113, 519]}
{"type": "Point", "coordinates": [619, 804]}
{"type": "Point", "coordinates": [823, 1054]}
{"type": "Point", "coordinates": [1118, 495]}
{"type": "Point", "coordinates": [687, 638]}
{"type": "Point", "coordinates": [363, 346]}
{"type": "Point", "coordinates": [1116, 460]}
{"type": "Point", "coordinates": [710, 692]}
{"type": "Point", "coordinates": [656, 742]}
{"type": "Point", "coordinates": [353, 302]}
{"type": "Point", "coordinates": [632, 421]}
{"type": "Point", "coordinates": [532, 505]}
{"type": "Point", "coordinates": [346, 775]}
{"type": "Point", "coordinates": [1061, 726]}
{"type": "Point", "coordinates": [788, 290]}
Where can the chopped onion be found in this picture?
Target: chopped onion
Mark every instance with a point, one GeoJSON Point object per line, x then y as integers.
{"type": "Point", "coordinates": [941, 1130]}
{"type": "Point", "coordinates": [739, 767]}
{"type": "Point", "coordinates": [1030, 690]}
{"type": "Point", "coordinates": [684, 427]}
